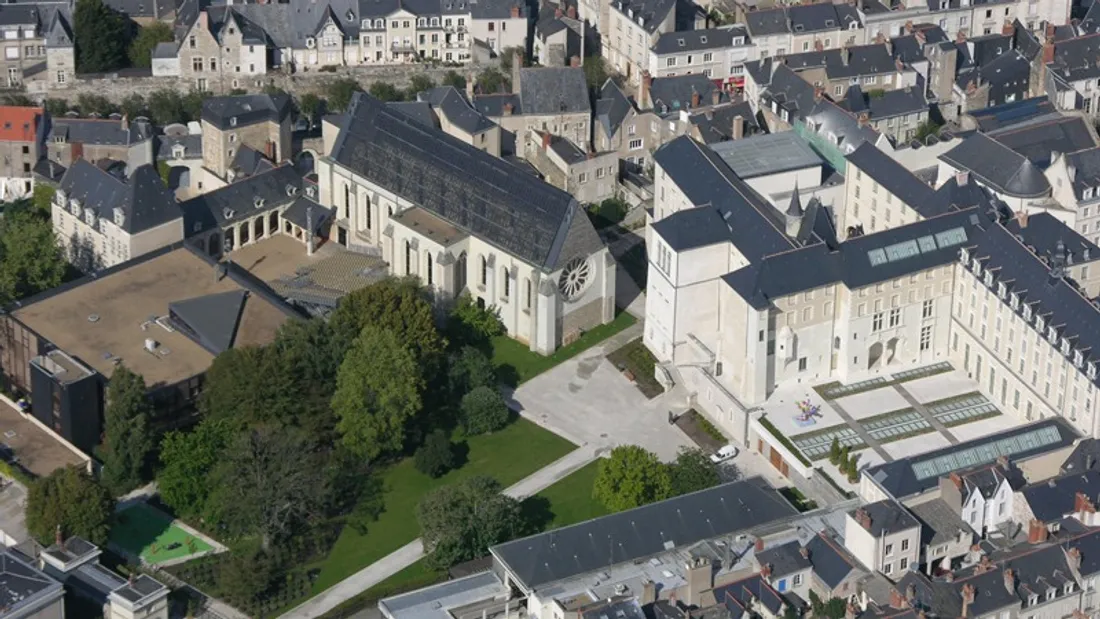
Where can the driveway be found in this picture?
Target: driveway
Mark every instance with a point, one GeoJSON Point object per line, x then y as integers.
{"type": "Point", "coordinates": [13, 501]}
{"type": "Point", "coordinates": [586, 400]}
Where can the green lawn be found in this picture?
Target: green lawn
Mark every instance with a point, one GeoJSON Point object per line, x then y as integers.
{"type": "Point", "coordinates": [570, 500]}
{"type": "Point", "coordinates": [516, 363]}
{"type": "Point", "coordinates": [508, 455]}
{"type": "Point", "coordinates": [139, 527]}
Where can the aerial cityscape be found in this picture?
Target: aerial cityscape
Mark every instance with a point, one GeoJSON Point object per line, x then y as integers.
{"type": "Point", "coordinates": [531, 309]}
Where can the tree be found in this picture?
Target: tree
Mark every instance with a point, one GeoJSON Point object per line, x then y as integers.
{"type": "Point", "coordinates": [339, 92]}
{"type": "Point", "coordinates": [692, 471]}
{"type": "Point", "coordinates": [453, 78]}
{"type": "Point", "coordinates": [134, 105]}
{"type": "Point", "coordinates": [71, 499]}
{"type": "Point", "coordinates": [400, 306]}
{"type": "Point", "coordinates": [790, 612]}
{"type": "Point", "coordinates": [385, 91]}
{"type": "Point", "coordinates": [192, 105]}
{"type": "Point", "coordinates": [57, 107]}
{"type": "Point", "coordinates": [102, 35]}
{"type": "Point", "coordinates": [377, 393]}
{"type": "Point", "coordinates": [461, 521]}
{"type": "Point", "coordinates": [631, 477]}
{"type": "Point", "coordinates": [311, 355]}
{"type": "Point", "coordinates": [834, 451]}
{"type": "Point", "coordinates": [436, 456]}
{"type": "Point", "coordinates": [43, 198]}
{"type": "Point", "coordinates": [483, 411]}
{"type": "Point", "coordinates": [468, 369]}
{"type": "Point", "coordinates": [166, 107]}
{"type": "Point", "coordinates": [833, 608]}
{"type": "Point", "coordinates": [471, 325]}
{"type": "Point", "coordinates": [126, 438]}
{"type": "Point", "coordinates": [187, 459]}
{"type": "Point", "coordinates": [17, 99]}
{"type": "Point", "coordinates": [94, 104]}
{"type": "Point", "coordinates": [310, 105]}
{"type": "Point", "coordinates": [269, 483]}
{"type": "Point", "coordinates": [595, 72]}
{"type": "Point", "coordinates": [141, 49]}
{"type": "Point", "coordinates": [492, 81]}
{"type": "Point", "coordinates": [30, 258]}
{"type": "Point", "coordinates": [418, 84]}
{"type": "Point", "coordinates": [507, 58]}
{"type": "Point", "coordinates": [927, 128]}
{"type": "Point", "coordinates": [853, 468]}
{"type": "Point", "coordinates": [250, 572]}
{"type": "Point", "coordinates": [249, 385]}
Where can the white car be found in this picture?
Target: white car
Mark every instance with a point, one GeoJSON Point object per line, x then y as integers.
{"type": "Point", "coordinates": [723, 454]}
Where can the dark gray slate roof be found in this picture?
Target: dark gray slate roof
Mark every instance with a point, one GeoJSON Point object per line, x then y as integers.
{"type": "Point", "coordinates": [493, 105]}
{"type": "Point", "coordinates": [22, 586]}
{"type": "Point", "coordinates": [893, 176]}
{"type": "Point", "coordinates": [612, 107]}
{"type": "Point", "coordinates": [553, 90]}
{"type": "Point", "coordinates": [167, 145]}
{"type": "Point", "coordinates": [1085, 457]}
{"type": "Point", "coordinates": [820, 17]}
{"type": "Point", "coordinates": [144, 198]}
{"type": "Point", "coordinates": [1086, 164]}
{"type": "Point", "coordinates": [716, 124]}
{"type": "Point", "coordinates": [420, 111]}
{"type": "Point", "coordinates": [900, 477]}
{"type": "Point", "coordinates": [647, 13]}
{"type": "Point", "coordinates": [790, 91]}
{"type": "Point", "coordinates": [859, 60]}
{"type": "Point", "coordinates": [887, 518]}
{"type": "Point", "coordinates": [210, 320]}
{"type": "Point", "coordinates": [298, 214]}
{"type": "Point", "coordinates": [247, 109]}
{"type": "Point", "coordinates": [767, 22]}
{"type": "Point", "coordinates": [143, 8]}
{"type": "Point", "coordinates": [692, 228]}
{"type": "Point", "coordinates": [98, 131]}
{"type": "Point", "coordinates": [641, 532]}
{"type": "Point", "coordinates": [249, 162]}
{"type": "Point", "coordinates": [784, 559]}
{"type": "Point", "coordinates": [50, 19]}
{"type": "Point", "coordinates": [746, 593]}
{"type": "Point", "coordinates": [1044, 232]}
{"type": "Point", "coordinates": [471, 189]}
{"type": "Point", "coordinates": [670, 95]}
{"type": "Point", "coordinates": [746, 219]}
{"type": "Point", "coordinates": [1053, 499]}
{"type": "Point", "coordinates": [452, 104]}
{"type": "Point", "coordinates": [1039, 138]}
{"type": "Point", "coordinates": [830, 560]}
{"type": "Point", "coordinates": [700, 40]}
{"type": "Point", "coordinates": [998, 166]}
{"type": "Point", "coordinates": [939, 523]}
{"type": "Point", "coordinates": [1077, 59]}
{"type": "Point", "coordinates": [1010, 114]}
{"type": "Point", "coordinates": [240, 200]}
{"type": "Point", "coordinates": [898, 102]}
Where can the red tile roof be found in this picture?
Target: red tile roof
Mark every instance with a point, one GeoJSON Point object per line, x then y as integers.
{"type": "Point", "coordinates": [19, 124]}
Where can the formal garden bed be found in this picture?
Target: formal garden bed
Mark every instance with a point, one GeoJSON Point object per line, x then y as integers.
{"type": "Point", "coordinates": [638, 364]}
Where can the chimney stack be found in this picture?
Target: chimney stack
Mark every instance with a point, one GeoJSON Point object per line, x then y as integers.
{"type": "Point", "coordinates": [515, 12]}
{"type": "Point", "coordinates": [575, 61]}
{"type": "Point", "coordinates": [1082, 504]}
{"type": "Point", "coordinates": [1021, 218]}
{"type": "Point", "coordinates": [643, 90]}
{"type": "Point", "coordinates": [470, 81]}
{"type": "Point", "coordinates": [558, 12]}
{"type": "Point", "coordinates": [517, 66]}
{"type": "Point", "coordinates": [1010, 581]}
{"type": "Point", "coordinates": [124, 124]}
{"type": "Point", "coordinates": [1048, 52]}
{"type": "Point", "coordinates": [545, 140]}
{"type": "Point", "coordinates": [911, 594]}
{"type": "Point", "coordinates": [961, 178]}
{"type": "Point", "coordinates": [949, 576]}
{"type": "Point", "coordinates": [571, 11]}
{"type": "Point", "coordinates": [694, 98]}
{"type": "Point", "coordinates": [1073, 556]}
{"type": "Point", "coordinates": [864, 119]}
{"type": "Point", "coordinates": [1008, 29]}
{"type": "Point", "coordinates": [967, 599]}
{"type": "Point", "coordinates": [896, 600]}
{"type": "Point", "coordinates": [960, 37]}
{"type": "Point", "coordinates": [1036, 532]}
{"type": "Point", "coordinates": [759, 546]}
{"type": "Point", "coordinates": [507, 110]}
{"type": "Point", "coordinates": [57, 539]}
{"type": "Point", "coordinates": [738, 127]}
{"type": "Point", "coordinates": [715, 96]}
{"type": "Point", "coordinates": [851, 611]}
{"type": "Point", "coordinates": [805, 552]}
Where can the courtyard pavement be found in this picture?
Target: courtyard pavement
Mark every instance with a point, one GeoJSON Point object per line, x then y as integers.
{"type": "Point", "coordinates": [13, 501]}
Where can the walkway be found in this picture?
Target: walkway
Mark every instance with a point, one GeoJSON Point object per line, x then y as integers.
{"type": "Point", "coordinates": [929, 417]}
{"type": "Point", "coordinates": [414, 551]}
{"type": "Point", "coordinates": [861, 431]}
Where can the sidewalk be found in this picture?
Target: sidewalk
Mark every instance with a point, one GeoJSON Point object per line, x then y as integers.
{"type": "Point", "coordinates": [414, 551]}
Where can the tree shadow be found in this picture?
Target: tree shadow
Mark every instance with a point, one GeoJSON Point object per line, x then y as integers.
{"type": "Point", "coordinates": [371, 504]}
{"type": "Point", "coordinates": [536, 513]}
{"type": "Point", "coordinates": [461, 451]}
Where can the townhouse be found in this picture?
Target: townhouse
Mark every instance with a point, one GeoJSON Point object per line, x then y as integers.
{"type": "Point", "coordinates": [633, 29]}
{"type": "Point", "coordinates": [37, 38]}
{"type": "Point", "coordinates": [718, 53]}
{"type": "Point", "coordinates": [22, 145]}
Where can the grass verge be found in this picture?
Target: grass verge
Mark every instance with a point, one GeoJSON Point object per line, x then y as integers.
{"type": "Point", "coordinates": [516, 363]}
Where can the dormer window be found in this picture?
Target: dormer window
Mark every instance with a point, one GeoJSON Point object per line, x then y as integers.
{"type": "Point", "coordinates": [178, 151]}
{"type": "Point", "coordinates": [1014, 301]}
{"type": "Point", "coordinates": [421, 22]}
{"type": "Point", "coordinates": [1040, 324]}
{"type": "Point", "coordinates": [1001, 290]}
{"type": "Point", "coordinates": [798, 28]}
{"type": "Point", "coordinates": [379, 23]}
{"type": "Point", "coordinates": [1032, 599]}
{"type": "Point", "coordinates": [119, 217]}
{"type": "Point", "coordinates": [233, 121]}
{"type": "Point", "coordinates": [830, 23]}
{"type": "Point", "coordinates": [1068, 588]}
{"type": "Point", "coordinates": [60, 198]}
{"type": "Point", "coordinates": [853, 25]}
{"type": "Point", "coordinates": [1051, 593]}
{"type": "Point", "coordinates": [988, 279]}
{"type": "Point", "coordinates": [1052, 334]}
{"type": "Point", "coordinates": [1087, 193]}
{"type": "Point", "coordinates": [1078, 359]}
{"type": "Point", "coordinates": [1090, 370]}
{"type": "Point", "coordinates": [976, 266]}
{"type": "Point", "coordinates": [435, 21]}
{"type": "Point", "coordinates": [1027, 313]}
{"type": "Point", "coordinates": [703, 39]}
{"type": "Point", "coordinates": [1065, 347]}
{"type": "Point", "coordinates": [964, 256]}
{"type": "Point", "coordinates": [738, 40]}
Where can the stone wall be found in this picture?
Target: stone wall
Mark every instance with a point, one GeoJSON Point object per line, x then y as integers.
{"type": "Point", "coordinates": [118, 88]}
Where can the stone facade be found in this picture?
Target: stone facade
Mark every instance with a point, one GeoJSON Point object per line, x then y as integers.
{"type": "Point", "coordinates": [220, 146]}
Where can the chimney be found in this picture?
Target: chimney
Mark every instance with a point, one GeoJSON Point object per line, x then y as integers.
{"type": "Point", "coordinates": [204, 20]}
{"type": "Point", "coordinates": [1073, 557]}
{"type": "Point", "coordinates": [1021, 218]}
{"type": "Point", "coordinates": [545, 141]}
{"type": "Point", "coordinates": [57, 539]}
{"type": "Point", "coordinates": [805, 552]}
{"type": "Point", "coordinates": [1050, 32]}
{"type": "Point", "coordinates": [967, 599]}
{"type": "Point", "coordinates": [896, 599]}
{"type": "Point", "coordinates": [911, 594]}
{"type": "Point", "coordinates": [766, 571]}
{"type": "Point", "coordinates": [819, 93]}
{"type": "Point", "coordinates": [961, 178]}
{"type": "Point", "coordinates": [1008, 29]}
{"type": "Point", "coordinates": [470, 87]}
{"type": "Point", "coordinates": [759, 546]}
{"type": "Point", "coordinates": [124, 124]}
{"type": "Point", "coordinates": [698, 579]}
{"type": "Point", "coordinates": [1071, 172]}
{"type": "Point", "coordinates": [818, 46]}
{"type": "Point", "coordinates": [643, 90]}
{"type": "Point", "coordinates": [845, 55]}
{"type": "Point", "coordinates": [715, 96]}
{"type": "Point", "coordinates": [863, 518]}
{"type": "Point", "coordinates": [955, 479]}
{"type": "Point", "coordinates": [920, 37]}
{"type": "Point", "coordinates": [851, 611]}
{"type": "Point", "coordinates": [1010, 581]}
{"type": "Point", "coordinates": [949, 576]}
{"type": "Point", "coordinates": [864, 119]}
{"type": "Point", "coordinates": [909, 27]}
{"type": "Point", "coordinates": [738, 127]}
{"type": "Point", "coordinates": [517, 66]}
{"type": "Point", "coordinates": [1036, 532]}
{"type": "Point", "coordinates": [508, 107]}
{"type": "Point", "coordinates": [130, 580]}
{"type": "Point", "coordinates": [515, 12]}
{"type": "Point", "coordinates": [269, 150]}
{"type": "Point", "coordinates": [1048, 52]}
{"type": "Point", "coordinates": [574, 61]}
{"type": "Point", "coordinates": [571, 11]}
{"type": "Point", "coordinates": [1082, 504]}
{"type": "Point", "coordinates": [694, 98]}
{"type": "Point", "coordinates": [557, 12]}
{"type": "Point", "coordinates": [649, 592]}
{"type": "Point", "coordinates": [960, 37]}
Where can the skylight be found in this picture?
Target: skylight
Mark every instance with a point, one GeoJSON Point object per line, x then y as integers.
{"type": "Point", "coordinates": [984, 454]}
{"type": "Point", "coordinates": [908, 249]}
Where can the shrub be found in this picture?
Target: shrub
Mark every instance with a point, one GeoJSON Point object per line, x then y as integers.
{"type": "Point", "coordinates": [436, 456]}
{"type": "Point", "coordinates": [834, 451]}
{"type": "Point", "coordinates": [483, 410]}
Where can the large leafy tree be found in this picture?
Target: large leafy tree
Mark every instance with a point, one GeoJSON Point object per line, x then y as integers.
{"type": "Point", "coordinates": [71, 500]}
{"type": "Point", "coordinates": [141, 50]}
{"type": "Point", "coordinates": [187, 459]}
{"type": "Point", "coordinates": [693, 470]}
{"type": "Point", "coordinates": [339, 92]}
{"type": "Point", "coordinates": [270, 483]}
{"type": "Point", "coordinates": [459, 522]}
{"type": "Point", "coordinates": [311, 355]}
{"type": "Point", "coordinates": [377, 393]}
{"type": "Point", "coordinates": [166, 106]}
{"type": "Point", "coordinates": [468, 369]}
{"type": "Point", "coordinates": [484, 410]}
{"type": "Point", "coordinates": [249, 385]}
{"type": "Point", "coordinates": [631, 477]}
{"type": "Point", "coordinates": [399, 306]}
{"type": "Point", "coordinates": [30, 258]}
{"type": "Point", "coordinates": [102, 37]}
{"type": "Point", "coordinates": [43, 198]}
{"type": "Point", "coordinates": [127, 440]}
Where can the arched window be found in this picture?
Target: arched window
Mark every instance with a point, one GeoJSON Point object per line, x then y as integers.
{"type": "Point", "coordinates": [484, 271]}
{"type": "Point", "coordinates": [366, 215]}
{"type": "Point", "coordinates": [408, 258]}
{"type": "Point", "coordinates": [507, 282]}
{"type": "Point", "coordinates": [431, 278]}
{"type": "Point", "coordinates": [347, 201]}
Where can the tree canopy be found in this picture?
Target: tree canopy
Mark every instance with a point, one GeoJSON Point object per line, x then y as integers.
{"type": "Point", "coordinates": [460, 521]}
{"type": "Point", "coordinates": [102, 36]}
{"type": "Point", "coordinates": [70, 499]}
{"type": "Point", "coordinates": [30, 258]}
{"type": "Point", "coordinates": [385, 91]}
{"type": "Point", "coordinates": [436, 456]}
{"type": "Point", "coordinates": [484, 410]}
{"type": "Point", "coordinates": [187, 459]}
{"type": "Point", "coordinates": [399, 306]}
{"type": "Point", "coordinates": [378, 393]}
{"type": "Point", "coordinates": [249, 385]}
{"type": "Point", "coordinates": [631, 477]}
{"type": "Point", "coordinates": [127, 439]}
{"type": "Point", "coordinates": [141, 49]}
{"type": "Point", "coordinates": [339, 93]}
{"type": "Point", "coordinates": [692, 471]}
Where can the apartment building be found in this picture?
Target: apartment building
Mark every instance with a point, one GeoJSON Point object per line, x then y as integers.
{"type": "Point", "coordinates": [37, 38]}
{"type": "Point", "coordinates": [718, 53]}
{"type": "Point", "coordinates": [895, 113]}
{"type": "Point", "coordinates": [634, 28]}
{"type": "Point", "coordinates": [96, 139]}
{"type": "Point", "coordinates": [549, 99]}
{"type": "Point", "coordinates": [805, 28]}
{"type": "Point", "coordinates": [589, 177]}
{"type": "Point", "coordinates": [22, 144]}
{"type": "Point", "coordinates": [232, 123]}
{"type": "Point", "coordinates": [102, 218]}
{"type": "Point", "coordinates": [884, 536]}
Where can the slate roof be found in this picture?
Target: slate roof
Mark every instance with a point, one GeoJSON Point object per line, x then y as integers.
{"type": "Point", "coordinates": [1086, 165]}
{"type": "Point", "coordinates": [895, 103]}
{"type": "Point", "coordinates": [144, 198]}
{"type": "Point", "coordinates": [100, 131]}
{"type": "Point", "coordinates": [638, 533]}
{"type": "Point", "coordinates": [241, 200]}
{"type": "Point", "coordinates": [420, 111]}
{"type": "Point", "coordinates": [1008, 114]}
{"type": "Point", "coordinates": [1039, 138]}
{"type": "Point", "coordinates": [742, 595]}
{"type": "Point", "coordinates": [900, 480]}
{"type": "Point", "coordinates": [247, 109]}
{"type": "Point", "coordinates": [1077, 59]}
{"type": "Point", "coordinates": [859, 60]}
{"type": "Point", "coordinates": [784, 559]}
{"type": "Point", "coordinates": [23, 586]}
{"type": "Point", "coordinates": [807, 18]}
{"type": "Point", "coordinates": [553, 90]}
{"type": "Point", "coordinates": [449, 102]}
{"type": "Point", "coordinates": [647, 13]}
{"type": "Point", "coordinates": [748, 221]}
{"type": "Point", "coordinates": [211, 320]}
{"type": "Point", "coordinates": [791, 92]}
{"type": "Point", "coordinates": [1085, 457]}
{"type": "Point", "coordinates": [830, 560]}
{"type": "Point", "coordinates": [1008, 70]}
{"type": "Point", "coordinates": [672, 94]}
{"type": "Point", "coordinates": [493, 105]}
{"type": "Point", "coordinates": [767, 22]}
{"type": "Point", "coordinates": [249, 162]}
{"type": "Point", "coordinates": [887, 518]}
{"type": "Point", "coordinates": [50, 19]}
{"type": "Point", "coordinates": [700, 40]}
{"type": "Point", "coordinates": [716, 124]}
{"type": "Point", "coordinates": [998, 166]}
{"type": "Point", "coordinates": [465, 186]}
{"type": "Point", "coordinates": [893, 176]}
{"type": "Point", "coordinates": [298, 214]}
{"type": "Point", "coordinates": [166, 144]}
{"type": "Point", "coordinates": [939, 523]}
{"type": "Point", "coordinates": [1054, 499]}
{"type": "Point", "coordinates": [143, 8]}
{"type": "Point", "coordinates": [1045, 231]}
{"type": "Point", "coordinates": [612, 107]}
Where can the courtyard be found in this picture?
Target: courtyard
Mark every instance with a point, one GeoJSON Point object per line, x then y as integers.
{"type": "Point", "coordinates": [882, 418]}
{"type": "Point", "coordinates": [144, 531]}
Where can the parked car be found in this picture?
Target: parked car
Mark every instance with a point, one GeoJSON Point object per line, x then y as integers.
{"type": "Point", "coordinates": [726, 453]}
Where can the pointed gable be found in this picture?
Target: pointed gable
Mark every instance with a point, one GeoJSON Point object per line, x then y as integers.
{"type": "Point", "coordinates": [210, 320]}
